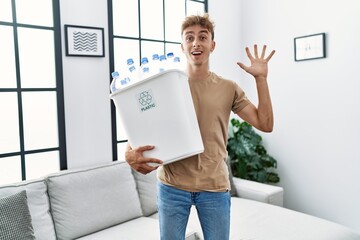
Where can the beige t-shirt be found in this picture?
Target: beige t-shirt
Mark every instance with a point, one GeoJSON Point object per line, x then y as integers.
{"type": "Point", "coordinates": [214, 98]}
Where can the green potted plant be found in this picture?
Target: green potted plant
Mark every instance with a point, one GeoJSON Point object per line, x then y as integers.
{"type": "Point", "coordinates": [248, 157]}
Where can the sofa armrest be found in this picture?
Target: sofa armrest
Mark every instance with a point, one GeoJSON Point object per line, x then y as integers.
{"type": "Point", "coordinates": [258, 191]}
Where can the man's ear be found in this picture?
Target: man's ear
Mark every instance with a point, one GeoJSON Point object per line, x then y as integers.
{"type": "Point", "coordinates": [213, 46]}
{"type": "Point", "coordinates": [182, 48]}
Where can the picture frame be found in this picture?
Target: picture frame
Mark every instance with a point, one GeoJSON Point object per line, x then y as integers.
{"type": "Point", "coordinates": [83, 41]}
{"type": "Point", "coordinates": [309, 47]}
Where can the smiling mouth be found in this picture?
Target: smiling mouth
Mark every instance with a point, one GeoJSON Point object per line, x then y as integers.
{"type": "Point", "coordinates": [196, 52]}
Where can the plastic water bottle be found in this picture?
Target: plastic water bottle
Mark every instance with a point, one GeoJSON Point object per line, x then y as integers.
{"type": "Point", "coordinates": [155, 64]}
{"type": "Point", "coordinates": [115, 77]}
{"type": "Point", "coordinates": [144, 68]}
{"type": "Point", "coordinates": [162, 65]}
{"type": "Point", "coordinates": [176, 63]}
{"type": "Point", "coordinates": [116, 82]}
{"type": "Point", "coordinates": [169, 61]}
{"type": "Point", "coordinates": [133, 74]}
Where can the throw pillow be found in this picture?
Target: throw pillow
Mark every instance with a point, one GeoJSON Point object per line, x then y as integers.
{"type": "Point", "coordinates": [146, 186]}
{"type": "Point", "coordinates": [15, 218]}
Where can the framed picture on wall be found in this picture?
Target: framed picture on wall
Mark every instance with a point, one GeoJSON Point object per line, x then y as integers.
{"type": "Point", "coordinates": [82, 41]}
{"type": "Point", "coordinates": [310, 47]}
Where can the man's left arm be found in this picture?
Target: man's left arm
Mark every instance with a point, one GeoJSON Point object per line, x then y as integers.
{"type": "Point", "coordinates": [261, 117]}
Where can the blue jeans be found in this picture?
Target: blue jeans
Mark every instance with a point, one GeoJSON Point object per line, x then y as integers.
{"type": "Point", "coordinates": [174, 208]}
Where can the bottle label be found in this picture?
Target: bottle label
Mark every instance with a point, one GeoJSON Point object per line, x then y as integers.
{"type": "Point", "coordinates": [146, 100]}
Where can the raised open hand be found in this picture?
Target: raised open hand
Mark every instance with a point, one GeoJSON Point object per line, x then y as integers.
{"type": "Point", "coordinates": [258, 67]}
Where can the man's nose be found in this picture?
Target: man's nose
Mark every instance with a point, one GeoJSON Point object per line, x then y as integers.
{"type": "Point", "coordinates": [196, 44]}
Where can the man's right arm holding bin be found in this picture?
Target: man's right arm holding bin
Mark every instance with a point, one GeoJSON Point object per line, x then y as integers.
{"type": "Point", "coordinates": [136, 159]}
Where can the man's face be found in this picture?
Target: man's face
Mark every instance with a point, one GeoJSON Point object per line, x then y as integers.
{"type": "Point", "coordinates": [197, 45]}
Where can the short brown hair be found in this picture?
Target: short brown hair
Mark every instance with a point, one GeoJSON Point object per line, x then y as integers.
{"type": "Point", "coordinates": [203, 21]}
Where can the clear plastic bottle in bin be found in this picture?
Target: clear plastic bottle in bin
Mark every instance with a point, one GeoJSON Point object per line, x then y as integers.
{"type": "Point", "coordinates": [155, 64]}
{"type": "Point", "coordinates": [162, 65]}
{"type": "Point", "coordinates": [176, 63]}
{"type": "Point", "coordinates": [144, 68]}
{"type": "Point", "coordinates": [117, 82]}
{"type": "Point", "coordinates": [115, 78]}
{"type": "Point", "coordinates": [169, 60]}
{"type": "Point", "coordinates": [133, 74]}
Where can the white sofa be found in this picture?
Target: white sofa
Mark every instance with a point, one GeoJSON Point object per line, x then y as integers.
{"type": "Point", "coordinates": [113, 202]}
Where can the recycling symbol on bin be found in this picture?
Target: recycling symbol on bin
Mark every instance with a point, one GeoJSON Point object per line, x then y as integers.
{"type": "Point", "coordinates": [145, 98]}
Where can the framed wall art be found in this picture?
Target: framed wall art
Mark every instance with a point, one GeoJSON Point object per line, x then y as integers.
{"type": "Point", "coordinates": [82, 41]}
{"type": "Point", "coordinates": [309, 47]}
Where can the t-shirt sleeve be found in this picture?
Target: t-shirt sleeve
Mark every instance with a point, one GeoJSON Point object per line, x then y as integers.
{"type": "Point", "coordinates": [240, 100]}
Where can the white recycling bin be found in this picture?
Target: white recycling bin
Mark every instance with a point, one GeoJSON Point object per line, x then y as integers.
{"type": "Point", "coordinates": [159, 111]}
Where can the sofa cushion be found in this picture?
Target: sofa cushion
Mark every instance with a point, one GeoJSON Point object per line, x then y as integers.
{"type": "Point", "coordinates": [15, 218]}
{"type": "Point", "coordinates": [260, 192]}
{"type": "Point", "coordinates": [261, 221]}
{"type": "Point", "coordinates": [92, 199]}
{"type": "Point", "coordinates": [136, 229]}
{"type": "Point", "coordinates": [277, 223]}
{"type": "Point", "coordinates": [38, 204]}
{"type": "Point", "coordinates": [146, 186]}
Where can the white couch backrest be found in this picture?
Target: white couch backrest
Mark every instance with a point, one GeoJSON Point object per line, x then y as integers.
{"type": "Point", "coordinates": [89, 200]}
{"type": "Point", "coordinates": [38, 203]}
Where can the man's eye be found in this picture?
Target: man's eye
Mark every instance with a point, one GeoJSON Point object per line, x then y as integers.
{"type": "Point", "coordinates": [189, 39]}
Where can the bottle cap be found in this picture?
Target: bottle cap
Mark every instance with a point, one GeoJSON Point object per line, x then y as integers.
{"type": "Point", "coordinates": [162, 57]}
{"type": "Point", "coordinates": [130, 61]}
{"type": "Point", "coordinates": [170, 55]}
{"type": "Point", "coordinates": [115, 74]}
{"type": "Point", "coordinates": [155, 56]}
{"type": "Point", "coordinates": [144, 60]}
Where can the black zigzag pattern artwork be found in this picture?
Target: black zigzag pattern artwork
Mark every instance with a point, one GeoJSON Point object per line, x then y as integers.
{"type": "Point", "coordinates": [85, 41]}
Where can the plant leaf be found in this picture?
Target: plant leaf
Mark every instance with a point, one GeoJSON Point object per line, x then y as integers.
{"type": "Point", "coordinates": [249, 158]}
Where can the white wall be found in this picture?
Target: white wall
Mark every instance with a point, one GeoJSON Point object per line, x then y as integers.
{"type": "Point", "coordinates": [86, 90]}
{"type": "Point", "coordinates": [227, 38]}
{"type": "Point", "coordinates": [316, 103]}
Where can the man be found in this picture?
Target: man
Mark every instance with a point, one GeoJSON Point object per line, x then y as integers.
{"type": "Point", "coordinates": [203, 180]}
